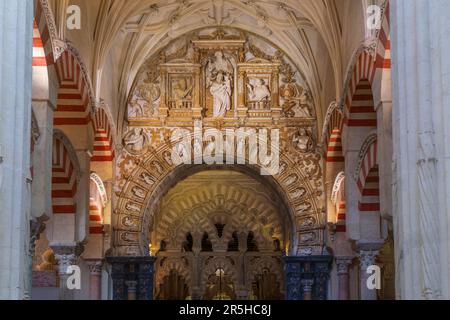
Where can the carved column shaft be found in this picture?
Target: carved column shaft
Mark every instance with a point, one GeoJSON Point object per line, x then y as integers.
{"type": "Point", "coordinates": [95, 279]}
{"type": "Point", "coordinates": [66, 256]}
{"type": "Point", "coordinates": [421, 84]}
{"type": "Point", "coordinates": [16, 32]}
{"type": "Point", "coordinates": [367, 258]}
{"type": "Point", "coordinates": [343, 277]}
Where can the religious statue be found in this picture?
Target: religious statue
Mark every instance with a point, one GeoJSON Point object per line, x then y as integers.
{"type": "Point", "coordinates": [135, 141]}
{"type": "Point", "coordinates": [219, 73]}
{"type": "Point", "coordinates": [258, 91]}
{"type": "Point", "coordinates": [303, 141]}
{"type": "Point", "coordinates": [304, 100]}
{"type": "Point", "coordinates": [221, 91]}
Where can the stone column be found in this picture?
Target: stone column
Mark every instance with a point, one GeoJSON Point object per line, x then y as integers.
{"type": "Point", "coordinates": [66, 255]}
{"type": "Point", "coordinates": [367, 257]}
{"type": "Point", "coordinates": [343, 264]}
{"type": "Point", "coordinates": [16, 30]}
{"type": "Point", "coordinates": [131, 289]}
{"type": "Point", "coordinates": [95, 279]}
{"type": "Point", "coordinates": [421, 99]}
{"type": "Point", "coordinates": [41, 189]}
{"type": "Point", "coordinates": [384, 128]}
{"type": "Point", "coordinates": [307, 285]}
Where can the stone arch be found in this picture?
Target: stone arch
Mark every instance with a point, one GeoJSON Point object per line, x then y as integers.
{"type": "Point", "coordinates": [97, 202]}
{"type": "Point", "coordinates": [198, 210]}
{"type": "Point", "coordinates": [211, 265]}
{"type": "Point", "coordinates": [65, 179]}
{"type": "Point", "coordinates": [166, 265]}
{"type": "Point", "coordinates": [75, 98]}
{"type": "Point", "coordinates": [366, 175]}
{"type": "Point", "coordinates": [338, 200]}
{"type": "Point", "coordinates": [104, 144]}
{"type": "Point", "coordinates": [147, 178]}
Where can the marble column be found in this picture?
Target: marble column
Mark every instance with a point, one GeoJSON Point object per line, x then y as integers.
{"type": "Point", "coordinates": [95, 279]}
{"type": "Point", "coordinates": [421, 113]}
{"type": "Point", "coordinates": [16, 32]}
{"type": "Point", "coordinates": [307, 285]}
{"type": "Point", "coordinates": [66, 255]}
{"type": "Point", "coordinates": [42, 160]}
{"type": "Point", "coordinates": [367, 257]}
{"type": "Point", "coordinates": [343, 264]}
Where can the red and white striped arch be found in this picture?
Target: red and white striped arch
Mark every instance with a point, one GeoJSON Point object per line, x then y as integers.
{"type": "Point", "coordinates": [359, 102]}
{"type": "Point", "coordinates": [368, 177]}
{"type": "Point", "coordinates": [65, 170]}
{"type": "Point", "coordinates": [332, 134]}
{"type": "Point", "coordinates": [97, 201]}
{"type": "Point", "coordinates": [383, 59]}
{"type": "Point", "coordinates": [338, 200]}
{"type": "Point", "coordinates": [103, 140]}
{"type": "Point", "coordinates": [42, 43]}
{"type": "Point", "coordinates": [334, 149]}
{"type": "Point", "coordinates": [73, 106]}
{"type": "Point", "coordinates": [369, 79]}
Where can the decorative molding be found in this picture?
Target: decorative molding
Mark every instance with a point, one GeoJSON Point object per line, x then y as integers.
{"type": "Point", "coordinates": [101, 188]}
{"type": "Point", "coordinates": [58, 134]}
{"type": "Point", "coordinates": [343, 264]}
{"type": "Point", "coordinates": [58, 45]}
{"type": "Point", "coordinates": [66, 255]}
{"type": "Point", "coordinates": [362, 153]}
{"type": "Point", "coordinates": [85, 74]}
{"type": "Point", "coordinates": [337, 186]}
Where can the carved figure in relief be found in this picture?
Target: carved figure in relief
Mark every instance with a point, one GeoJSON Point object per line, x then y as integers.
{"type": "Point", "coordinates": [298, 193]}
{"type": "Point", "coordinates": [135, 110]}
{"type": "Point", "coordinates": [157, 166]}
{"type": "Point", "coordinates": [303, 141]}
{"type": "Point", "coordinates": [130, 222]}
{"type": "Point", "coordinates": [219, 64]}
{"type": "Point", "coordinates": [291, 180]}
{"type": "Point", "coordinates": [132, 207]}
{"type": "Point", "coordinates": [258, 90]}
{"type": "Point", "coordinates": [138, 192]}
{"type": "Point", "coordinates": [135, 141]}
{"type": "Point", "coordinates": [168, 157]}
{"type": "Point", "coordinates": [147, 178]}
{"type": "Point", "coordinates": [181, 92]}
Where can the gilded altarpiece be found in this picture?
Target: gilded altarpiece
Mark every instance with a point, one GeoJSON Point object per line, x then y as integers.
{"type": "Point", "coordinates": [221, 79]}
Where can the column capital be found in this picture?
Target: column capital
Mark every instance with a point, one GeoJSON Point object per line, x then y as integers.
{"type": "Point", "coordinates": [66, 255]}
{"type": "Point", "coordinates": [367, 258]}
{"type": "Point", "coordinates": [307, 284]}
{"type": "Point", "coordinates": [343, 264]}
{"type": "Point", "coordinates": [95, 266]}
